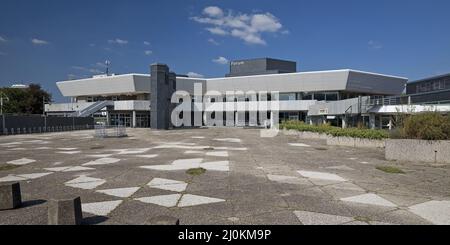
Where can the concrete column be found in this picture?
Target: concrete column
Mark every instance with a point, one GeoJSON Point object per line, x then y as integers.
{"type": "Point", "coordinates": [372, 121]}
{"type": "Point", "coordinates": [134, 119]}
{"type": "Point", "coordinates": [108, 118]}
{"type": "Point", "coordinates": [344, 122]}
{"type": "Point", "coordinates": [390, 123]}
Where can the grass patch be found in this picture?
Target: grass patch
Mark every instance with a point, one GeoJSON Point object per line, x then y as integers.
{"type": "Point", "coordinates": [196, 171]}
{"type": "Point", "coordinates": [362, 219]}
{"type": "Point", "coordinates": [6, 167]}
{"type": "Point", "coordinates": [390, 169]}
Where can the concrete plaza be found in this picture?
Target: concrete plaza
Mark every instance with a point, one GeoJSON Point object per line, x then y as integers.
{"type": "Point", "coordinates": [247, 179]}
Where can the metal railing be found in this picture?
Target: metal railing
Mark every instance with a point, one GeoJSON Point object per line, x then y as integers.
{"type": "Point", "coordinates": [42, 130]}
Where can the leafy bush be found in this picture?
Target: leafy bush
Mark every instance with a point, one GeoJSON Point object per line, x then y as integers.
{"type": "Point", "coordinates": [335, 131]}
{"type": "Point", "coordinates": [427, 126]}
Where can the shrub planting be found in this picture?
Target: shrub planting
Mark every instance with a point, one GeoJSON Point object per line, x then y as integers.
{"type": "Point", "coordinates": [335, 131]}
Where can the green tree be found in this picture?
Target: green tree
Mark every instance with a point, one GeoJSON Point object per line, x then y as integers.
{"type": "Point", "coordinates": [25, 101]}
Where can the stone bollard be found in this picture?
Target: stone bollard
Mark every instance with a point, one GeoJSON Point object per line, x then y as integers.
{"type": "Point", "coordinates": [10, 196]}
{"type": "Point", "coordinates": [65, 212]}
{"type": "Point", "coordinates": [163, 220]}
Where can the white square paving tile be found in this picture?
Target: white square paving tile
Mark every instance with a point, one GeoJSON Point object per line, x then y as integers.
{"type": "Point", "coordinates": [299, 145]}
{"type": "Point", "coordinates": [437, 212]}
{"type": "Point", "coordinates": [230, 140]}
{"type": "Point", "coordinates": [102, 161]}
{"type": "Point", "coordinates": [69, 152]}
{"type": "Point", "coordinates": [163, 200]}
{"type": "Point", "coordinates": [288, 179]}
{"type": "Point", "coordinates": [167, 184]}
{"type": "Point", "coordinates": [33, 176]}
{"type": "Point", "coordinates": [11, 178]}
{"type": "Point", "coordinates": [78, 169]}
{"type": "Point", "coordinates": [197, 137]}
{"type": "Point", "coordinates": [120, 192]}
{"type": "Point", "coordinates": [312, 218]}
{"type": "Point", "coordinates": [321, 175]}
{"type": "Point", "coordinates": [99, 155]}
{"type": "Point", "coordinates": [217, 153]}
{"type": "Point", "coordinates": [223, 166]}
{"type": "Point", "coordinates": [67, 149]}
{"type": "Point", "coordinates": [83, 179]}
{"type": "Point", "coordinates": [193, 152]}
{"type": "Point", "coordinates": [22, 161]}
{"type": "Point", "coordinates": [148, 156]}
{"type": "Point", "coordinates": [87, 185]}
{"type": "Point", "coordinates": [58, 169]}
{"type": "Point", "coordinates": [369, 198]}
{"type": "Point", "coordinates": [188, 200]}
{"type": "Point", "coordinates": [100, 208]}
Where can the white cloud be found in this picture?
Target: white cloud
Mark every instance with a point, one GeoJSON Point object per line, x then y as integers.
{"type": "Point", "coordinates": [212, 41]}
{"type": "Point", "coordinates": [247, 27]}
{"type": "Point", "coordinates": [195, 75]}
{"type": "Point", "coordinates": [217, 31]}
{"type": "Point", "coordinates": [92, 45]}
{"type": "Point", "coordinates": [213, 11]}
{"type": "Point", "coordinates": [118, 41]}
{"type": "Point", "coordinates": [221, 60]}
{"type": "Point", "coordinates": [2, 39]}
{"type": "Point", "coordinates": [148, 52]}
{"type": "Point", "coordinates": [375, 44]}
{"type": "Point", "coordinates": [36, 41]}
{"type": "Point", "coordinates": [146, 43]}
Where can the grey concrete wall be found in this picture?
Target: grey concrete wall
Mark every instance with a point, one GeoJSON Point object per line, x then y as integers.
{"type": "Point", "coordinates": [355, 142]}
{"type": "Point", "coordinates": [406, 150]}
{"type": "Point", "coordinates": [36, 124]}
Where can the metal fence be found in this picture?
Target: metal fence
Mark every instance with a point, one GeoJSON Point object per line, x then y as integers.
{"type": "Point", "coordinates": [103, 131]}
{"type": "Point", "coordinates": [33, 124]}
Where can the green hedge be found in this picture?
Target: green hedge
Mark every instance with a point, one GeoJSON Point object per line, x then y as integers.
{"type": "Point", "coordinates": [335, 131]}
{"type": "Point", "coordinates": [427, 126]}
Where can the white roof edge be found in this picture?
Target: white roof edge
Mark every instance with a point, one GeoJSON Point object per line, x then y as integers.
{"type": "Point", "coordinates": [98, 78]}
{"type": "Point", "coordinates": [378, 74]}
{"type": "Point", "coordinates": [226, 78]}
{"type": "Point", "coordinates": [311, 72]}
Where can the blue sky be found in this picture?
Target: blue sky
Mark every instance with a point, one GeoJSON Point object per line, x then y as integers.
{"type": "Point", "coordinates": [45, 41]}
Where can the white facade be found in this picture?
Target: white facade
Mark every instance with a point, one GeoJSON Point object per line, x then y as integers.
{"type": "Point", "coordinates": [130, 93]}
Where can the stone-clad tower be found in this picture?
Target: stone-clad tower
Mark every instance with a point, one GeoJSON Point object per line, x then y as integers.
{"type": "Point", "coordinates": [163, 85]}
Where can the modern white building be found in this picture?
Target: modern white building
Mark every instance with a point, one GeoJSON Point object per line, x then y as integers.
{"type": "Point", "coordinates": [125, 99]}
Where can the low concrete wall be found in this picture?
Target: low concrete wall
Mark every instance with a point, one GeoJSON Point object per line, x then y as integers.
{"type": "Point", "coordinates": [306, 135]}
{"type": "Point", "coordinates": [355, 142]}
{"type": "Point", "coordinates": [418, 151]}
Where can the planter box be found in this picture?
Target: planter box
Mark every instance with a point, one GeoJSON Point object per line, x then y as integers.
{"type": "Point", "coordinates": [418, 151]}
{"type": "Point", "coordinates": [355, 142]}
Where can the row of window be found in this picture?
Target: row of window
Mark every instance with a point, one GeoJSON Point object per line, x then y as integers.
{"type": "Point", "coordinates": [433, 85]}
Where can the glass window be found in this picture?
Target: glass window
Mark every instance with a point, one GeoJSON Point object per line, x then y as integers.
{"type": "Point", "coordinates": [319, 96]}
{"type": "Point", "coordinates": [331, 97]}
{"type": "Point", "coordinates": [307, 96]}
{"type": "Point", "coordinates": [287, 96]}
